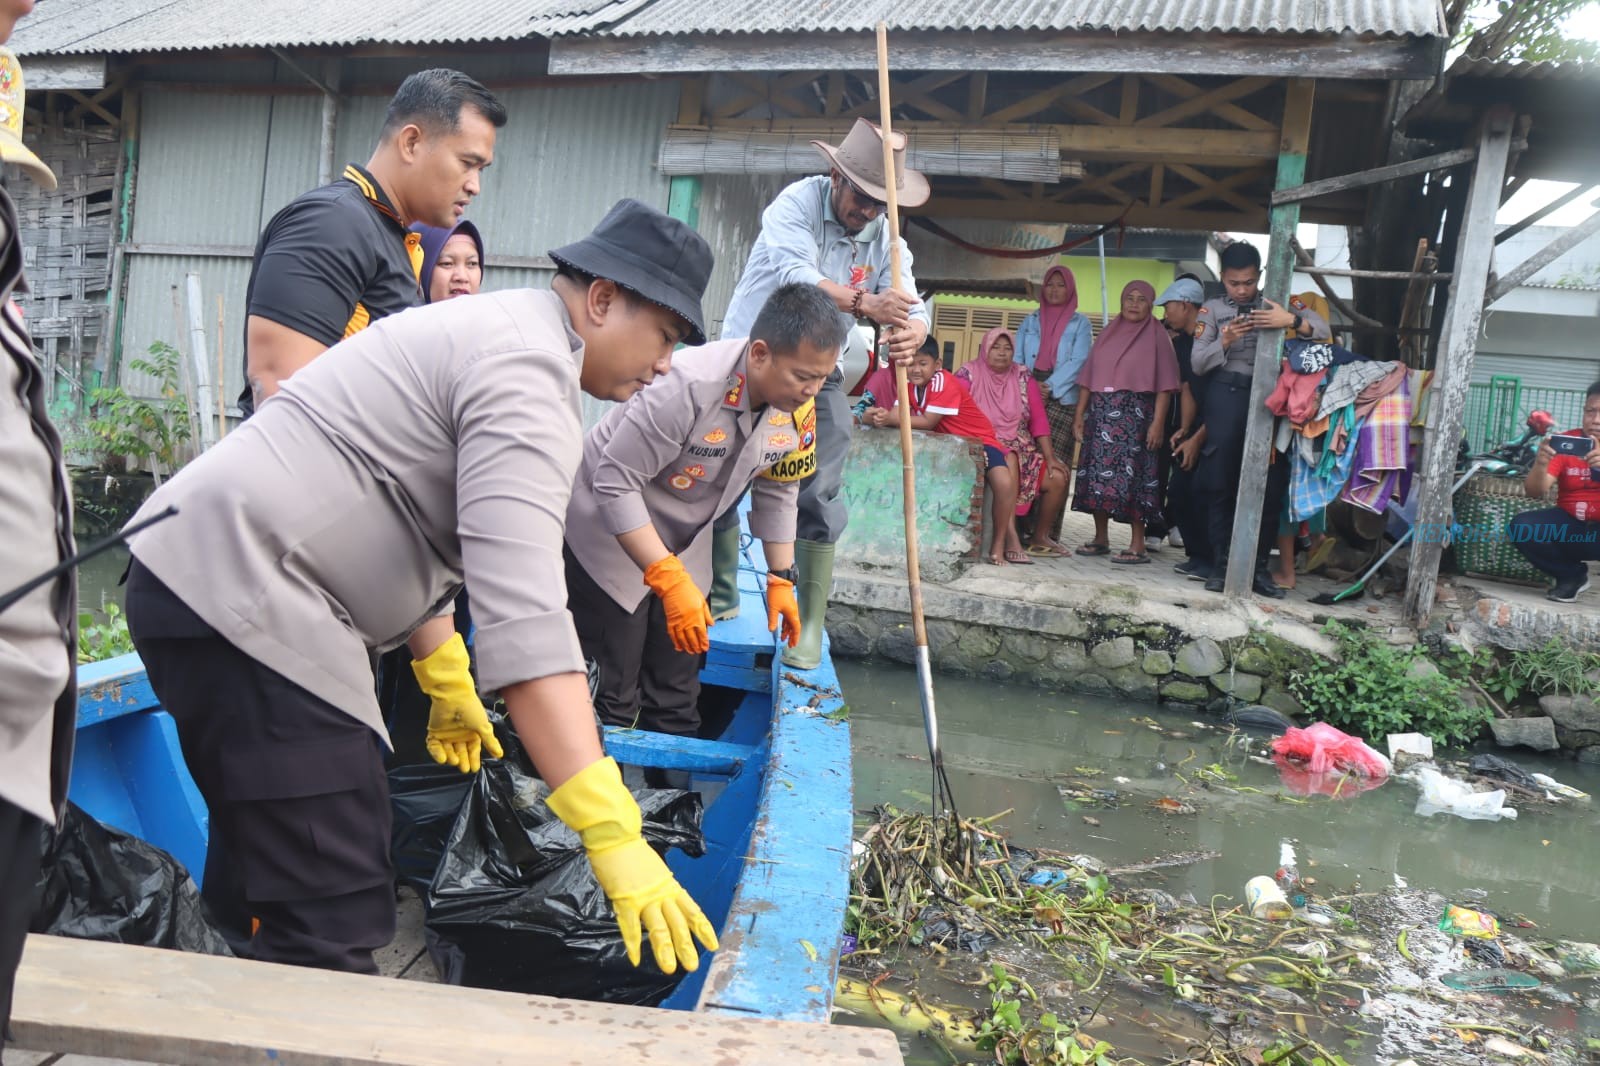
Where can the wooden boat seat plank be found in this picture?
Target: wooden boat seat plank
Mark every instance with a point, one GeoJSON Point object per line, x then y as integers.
{"type": "Point", "coordinates": [168, 1006]}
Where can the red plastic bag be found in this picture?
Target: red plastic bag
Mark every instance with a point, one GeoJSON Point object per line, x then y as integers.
{"type": "Point", "coordinates": [1336, 784]}
{"type": "Point", "coordinates": [1324, 748]}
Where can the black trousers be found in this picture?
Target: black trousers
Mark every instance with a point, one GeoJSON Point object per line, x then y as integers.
{"type": "Point", "coordinates": [21, 837]}
{"type": "Point", "coordinates": [298, 799]}
{"type": "Point", "coordinates": [1227, 415]}
{"type": "Point", "coordinates": [1186, 510]}
{"type": "Point", "coordinates": [1556, 543]}
{"type": "Point", "coordinates": [642, 681]}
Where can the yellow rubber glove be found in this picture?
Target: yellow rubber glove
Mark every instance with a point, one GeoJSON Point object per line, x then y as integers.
{"type": "Point", "coordinates": [782, 607]}
{"type": "Point", "coordinates": [688, 616]}
{"type": "Point", "coordinates": [458, 726]}
{"type": "Point", "coordinates": [598, 807]}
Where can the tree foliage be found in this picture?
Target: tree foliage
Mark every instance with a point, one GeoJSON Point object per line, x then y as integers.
{"type": "Point", "coordinates": [1527, 30]}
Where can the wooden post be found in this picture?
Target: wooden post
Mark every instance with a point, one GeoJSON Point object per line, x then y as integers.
{"type": "Point", "coordinates": [1284, 220]}
{"type": "Point", "coordinates": [326, 164]}
{"type": "Point", "coordinates": [1458, 341]}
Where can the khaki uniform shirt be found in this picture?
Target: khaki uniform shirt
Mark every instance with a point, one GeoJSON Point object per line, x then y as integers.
{"type": "Point", "coordinates": [437, 445]}
{"type": "Point", "coordinates": [1240, 356]}
{"type": "Point", "coordinates": [38, 634]}
{"type": "Point", "coordinates": [676, 455]}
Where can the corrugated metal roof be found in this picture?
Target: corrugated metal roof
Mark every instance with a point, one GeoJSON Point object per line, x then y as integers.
{"type": "Point", "coordinates": [1544, 70]}
{"type": "Point", "coordinates": [68, 27]}
{"type": "Point", "coordinates": [1418, 18]}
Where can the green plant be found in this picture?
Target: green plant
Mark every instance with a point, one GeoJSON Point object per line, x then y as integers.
{"type": "Point", "coordinates": [1377, 689]}
{"type": "Point", "coordinates": [1554, 669]}
{"type": "Point", "coordinates": [103, 640]}
{"type": "Point", "coordinates": [150, 431]}
{"type": "Point", "coordinates": [1013, 1038]}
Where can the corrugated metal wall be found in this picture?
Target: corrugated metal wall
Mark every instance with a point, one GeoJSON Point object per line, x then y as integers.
{"type": "Point", "coordinates": [730, 219]}
{"type": "Point", "coordinates": [215, 167]}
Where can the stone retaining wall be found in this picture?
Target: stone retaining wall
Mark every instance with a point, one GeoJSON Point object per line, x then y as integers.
{"type": "Point", "coordinates": [1101, 652]}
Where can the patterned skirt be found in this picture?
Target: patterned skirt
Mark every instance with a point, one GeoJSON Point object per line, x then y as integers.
{"type": "Point", "coordinates": [1060, 416]}
{"type": "Point", "coordinates": [1030, 470]}
{"type": "Point", "coordinates": [1117, 475]}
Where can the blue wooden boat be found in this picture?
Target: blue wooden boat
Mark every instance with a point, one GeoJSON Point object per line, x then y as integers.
{"type": "Point", "coordinates": [774, 879]}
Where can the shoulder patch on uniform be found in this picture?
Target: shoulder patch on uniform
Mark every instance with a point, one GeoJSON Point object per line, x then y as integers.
{"type": "Point", "coordinates": [777, 418]}
{"type": "Point", "coordinates": [681, 482]}
{"type": "Point", "coordinates": [780, 440]}
{"type": "Point", "coordinates": [695, 470]}
{"type": "Point", "coordinates": [1204, 310]}
{"type": "Point", "coordinates": [716, 436]}
{"type": "Point", "coordinates": [735, 390]}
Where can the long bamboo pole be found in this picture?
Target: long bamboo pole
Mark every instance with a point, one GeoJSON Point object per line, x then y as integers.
{"type": "Point", "coordinates": [919, 628]}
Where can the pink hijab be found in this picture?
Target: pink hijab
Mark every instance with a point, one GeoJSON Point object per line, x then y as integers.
{"type": "Point", "coordinates": [1053, 319]}
{"type": "Point", "coordinates": [1132, 356]}
{"type": "Point", "coordinates": [997, 395]}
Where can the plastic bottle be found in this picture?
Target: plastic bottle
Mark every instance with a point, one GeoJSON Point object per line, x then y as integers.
{"type": "Point", "coordinates": [1266, 901]}
{"type": "Point", "coordinates": [1288, 876]}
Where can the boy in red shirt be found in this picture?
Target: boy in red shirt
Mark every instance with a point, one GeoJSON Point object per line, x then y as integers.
{"type": "Point", "coordinates": [1561, 540]}
{"type": "Point", "coordinates": [940, 403]}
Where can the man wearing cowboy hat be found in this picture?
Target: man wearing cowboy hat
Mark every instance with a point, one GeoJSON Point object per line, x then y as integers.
{"type": "Point", "coordinates": [436, 446]}
{"type": "Point", "coordinates": [827, 231]}
{"type": "Point", "coordinates": [38, 634]}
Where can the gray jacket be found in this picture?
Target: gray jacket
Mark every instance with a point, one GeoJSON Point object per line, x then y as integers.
{"type": "Point", "coordinates": [38, 634]}
{"type": "Point", "coordinates": [676, 455]}
{"type": "Point", "coordinates": [435, 445]}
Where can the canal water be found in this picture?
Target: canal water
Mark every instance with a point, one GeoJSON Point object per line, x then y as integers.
{"type": "Point", "coordinates": [1053, 759]}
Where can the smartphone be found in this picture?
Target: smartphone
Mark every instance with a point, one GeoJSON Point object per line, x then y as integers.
{"type": "Point", "coordinates": [1576, 444]}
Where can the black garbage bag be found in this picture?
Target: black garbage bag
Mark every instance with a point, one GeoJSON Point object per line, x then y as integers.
{"type": "Point", "coordinates": [514, 905]}
{"type": "Point", "coordinates": [99, 883]}
{"type": "Point", "coordinates": [425, 800]}
{"type": "Point", "coordinates": [1497, 769]}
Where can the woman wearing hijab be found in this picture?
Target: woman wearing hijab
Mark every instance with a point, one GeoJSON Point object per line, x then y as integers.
{"type": "Point", "coordinates": [1053, 343]}
{"type": "Point", "coordinates": [1011, 399]}
{"type": "Point", "coordinates": [1127, 385]}
{"type": "Point", "coordinates": [452, 260]}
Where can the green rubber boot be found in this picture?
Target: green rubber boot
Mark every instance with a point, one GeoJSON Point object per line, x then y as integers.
{"type": "Point", "coordinates": [815, 562]}
{"type": "Point", "coordinates": [724, 598]}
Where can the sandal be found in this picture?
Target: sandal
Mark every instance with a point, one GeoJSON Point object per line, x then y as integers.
{"type": "Point", "coordinates": [1017, 558]}
{"type": "Point", "coordinates": [1050, 551]}
{"type": "Point", "coordinates": [1130, 558]}
{"type": "Point", "coordinates": [1092, 548]}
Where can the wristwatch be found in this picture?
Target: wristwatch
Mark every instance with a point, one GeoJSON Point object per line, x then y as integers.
{"type": "Point", "coordinates": [791, 574]}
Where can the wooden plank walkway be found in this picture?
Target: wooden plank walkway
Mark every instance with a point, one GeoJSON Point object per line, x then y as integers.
{"type": "Point", "coordinates": [85, 998]}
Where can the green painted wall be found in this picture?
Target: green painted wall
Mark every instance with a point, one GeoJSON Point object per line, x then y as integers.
{"type": "Point", "coordinates": [947, 479]}
{"type": "Point", "coordinates": [1086, 269]}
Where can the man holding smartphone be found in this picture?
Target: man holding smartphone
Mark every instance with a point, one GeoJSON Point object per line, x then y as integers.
{"type": "Point", "coordinates": [1561, 540]}
{"type": "Point", "coordinates": [1225, 351]}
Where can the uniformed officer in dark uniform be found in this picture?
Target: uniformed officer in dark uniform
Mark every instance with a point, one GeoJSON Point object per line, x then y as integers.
{"type": "Point", "coordinates": [339, 257]}
{"type": "Point", "coordinates": [1226, 351]}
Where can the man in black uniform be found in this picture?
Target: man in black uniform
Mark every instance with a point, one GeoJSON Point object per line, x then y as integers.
{"type": "Point", "coordinates": [339, 257]}
{"type": "Point", "coordinates": [1185, 513]}
{"type": "Point", "coordinates": [1226, 350]}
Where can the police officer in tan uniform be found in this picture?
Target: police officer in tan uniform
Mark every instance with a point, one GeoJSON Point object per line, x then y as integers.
{"type": "Point", "coordinates": [38, 694]}
{"type": "Point", "coordinates": [655, 474]}
{"type": "Point", "coordinates": [437, 446]}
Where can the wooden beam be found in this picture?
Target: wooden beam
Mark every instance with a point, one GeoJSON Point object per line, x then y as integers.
{"type": "Point", "coordinates": [977, 96]}
{"type": "Point", "coordinates": [89, 998]}
{"type": "Point", "coordinates": [1247, 511]}
{"type": "Point", "coordinates": [1377, 275]}
{"type": "Point", "coordinates": [692, 101]}
{"type": "Point", "coordinates": [1534, 216]}
{"type": "Point", "coordinates": [1569, 239]}
{"type": "Point", "coordinates": [87, 104]}
{"type": "Point", "coordinates": [1453, 370]}
{"type": "Point", "coordinates": [1209, 188]}
{"type": "Point", "coordinates": [949, 205]}
{"type": "Point", "coordinates": [1157, 177]}
{"type": "Point", "coordinates": [1032, 105]}
{"type": "Point", "coordinates": [1212, 100]}
{"type": "Point", "coordinates": [1231, 112]}
{"type": "Point", "coordinates": [1106, 182]}
{"type": "Point", "coordinates": [917, 94]}
{"type": "Point", "coordinates": [1113, 144]}
{"type": "Point", "coordinates": [1240, 54]}
{"type": "Point", "coordinates": [834, 100]}
{"type": "Point", "coordinates": [53, 73]}
{"type": "Point", "coordinates": [1130, 100]}
{"type": "Point", "coordinates": [1364, 178]}
{"type": "Point", "coordinates": [1306, 265]}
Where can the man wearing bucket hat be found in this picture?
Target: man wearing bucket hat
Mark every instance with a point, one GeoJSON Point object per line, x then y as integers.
{"type": "Point", "coordinates": [827, 231]}
{"type": "Point", "coordinates": [440, 445]}
{"type": "Point", "coordinates": [38, 634]}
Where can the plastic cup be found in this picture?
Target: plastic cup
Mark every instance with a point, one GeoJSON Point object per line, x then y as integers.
{"type": "Point", "coordinates": [1266, 900]}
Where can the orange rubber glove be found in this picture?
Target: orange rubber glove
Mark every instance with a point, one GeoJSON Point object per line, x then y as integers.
{"type": "Point", "coordinates": [783, 607]}
{"type": "Point", "coordinates": [647, 899]}
{"type": "Point", "coordinates": [688, 615]}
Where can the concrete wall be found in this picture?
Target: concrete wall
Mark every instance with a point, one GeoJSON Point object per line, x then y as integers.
{"type": "Point", "coordinates": [949, 503]}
